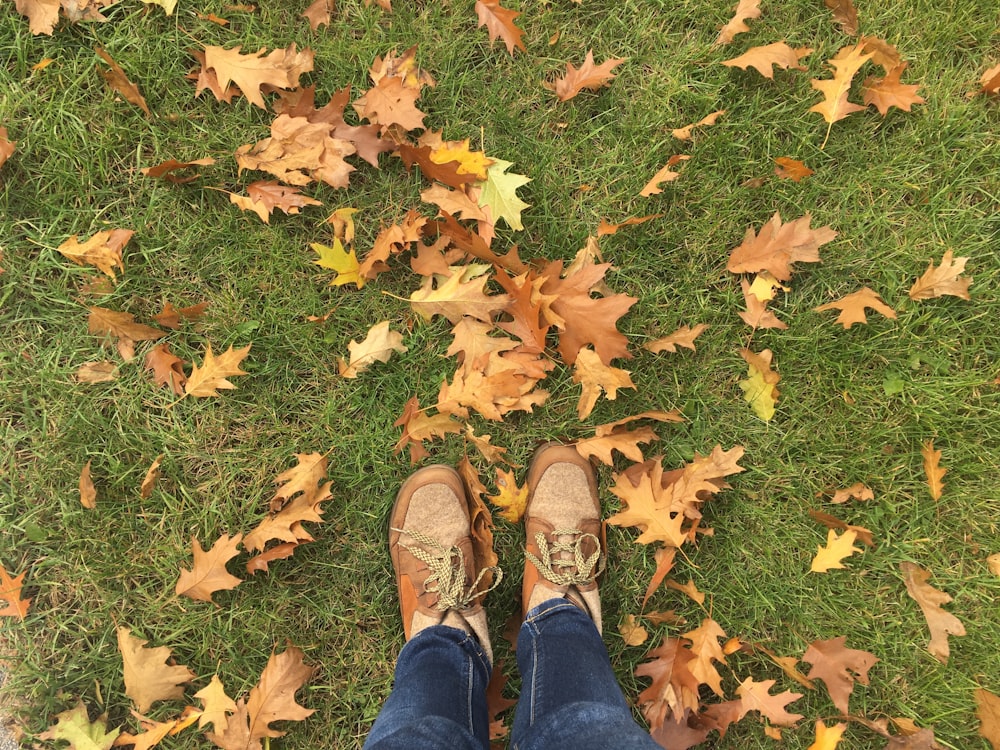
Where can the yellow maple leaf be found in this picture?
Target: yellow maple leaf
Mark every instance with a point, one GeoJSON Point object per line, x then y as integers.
{"type": "Point", "coordinates": [469, 162]}
{"type": "Point", "coordinates": [511, 498]}
{"type": "Point", "coordinates": [336, 258]}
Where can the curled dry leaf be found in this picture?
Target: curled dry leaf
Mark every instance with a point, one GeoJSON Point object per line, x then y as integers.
{"type": "Point", "coordinates": [588, 76]}
{"type": "Point", "coordinates": [858, 491]}
{"type": "Point", "coordinates": [120, 82]}
{"type": "Point", "coordinates": [745, 11]}
{"type": "Point", "coordinates": [88, 493]}
{"type": "Point", "coordinates": [149, 481]}
{"type": "Point", "coordinates": [939, 622]}
{"type": "Point", "coordinates": [97, 372]}
{"type": "Point", "coordinates": [943, 280]}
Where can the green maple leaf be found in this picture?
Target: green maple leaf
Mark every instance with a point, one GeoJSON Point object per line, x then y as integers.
{"type": "Point", "coordinates": [499, 194]}
{"type": "Point", "coordinates": [74, 726]}
{"type": "Point", "coordinates": [337, 259]}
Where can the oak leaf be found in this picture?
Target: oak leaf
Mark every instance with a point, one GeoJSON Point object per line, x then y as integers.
{"type": "Point", "coordinates": [209, 574]}
{"type": "Point", "coordinates": [103, 250]}
{"type": "Point", "coordinates": [116, 79]}
{"type": "Point", "coordinates": [460, 293]}
{"type": "Point", "coordinates": [299, 152]}
{"type": "Point", "coordinates": [606, 227]}
{"type": "Point", "coordinates": [500, 196]}
{"type": "Point", "coordinates": [625, 442]}
{"type": "Point", "coordinates": [148, 677]}
{"type": "Point", "coordinates": [756, 697]}
{"type": "Point", "coordinates": [674, 689]}
{"type": "Point", "coordinates": [845, 14]}
{"type": "Point", "coordinates": [858, 491]}
{"type": "Point", "coordinates": [217, 704]}
{"type": "Point", "coordinates": [664, 559]}
{"type": "Point", "coordinates": [745, 11]}
{"type": "Point", "coordinates": [418, 426]}
{"type": "Point", "coordinates": [760, 388]}
{"type": "Point", "coordinates": [839, 667]}
{"type": "Point", "coordinates": [587, 76]}
{"type": "Point", "coordinates": [990, 81]}
{"type": "Point", "coordinates": [453, 201]}
{"type": "Point", "coordinates": [493, 454]}
{"type": "Point", "coordinates": [378, 346]}
{"type": "Point", "coordinates": [88, 493]}
{"type": "Point", "coordinates": [757, 315]}
{"type": "Point", "coordinates": [942, 280]}
{"type": "Point", "coordinates": [762, 59]}
{"type": "Point", "coordinates": [166, 169]}
{"type": "Point", "coordinates": [170, 317]}
{"type": "Point", "coordinates": [525, 305]}
{"type": "Point", "coordinates": [940, 623]}
{"type": "Point", "coordinates": [827, 738]}
{"type": "Point", "coordinates": [7, 147]}
{"type": "Point", "coordinates": [632, 632]}
{"type": "Point", "coordinates": [499, 22]}
{"type": "Point", "coordinates": [779, 246]}
{"type": "Point", "coordinates": [467, 161]}
{"type": "Point", "coordinates": [390, 102]}
{"type": "Point", "coordinates": [280, 68]}
{"type": "Point", "coordinates": [648, 507]}
{"type": "Point", "coordinates": [705, 646]}
{"type": "Point", "coordinates": [211, 376]}
{"type": "Point", "coordinates": [837, 548]}
{"type": "Point", "coordinates": [120, 325]}
{"type": "Point", "coordinates": [74, 726]}
{"type": "Point", "coordinates": [889, 92]}
{"type": "Point", "coordinates": [152, 731]}
{"type": "Point", "coordinates": [167, 368]}
{"type": "Point", "coordinates": [481, 520]}
{"type": "Point", "coordinates": [852, 307]}
{"type": "Point", "coordinates": [318, 13]}
{"type": "Point", "coordinates": [10, 592]}
{"type": "Point", "coordinates": [863, 535]}
{"type": "Point", "coordinates": [791, 169]}
{"type": "Point", "coordinates": [665, 174]}
{"type": "Point", "coordinates": [149, 481]}
{"type": "Point", "coordinates": [264, 196]}
{"type": "Point", "coordinates": [933, 469]}
{"type": "Point", "coordinates": [684, 134]}
{"type": "Point", "coordinates": [97, 372]}
{"type": "Point", "coordinates": [511, 498]}
{"type": "Point", "coordinates": [835, 105]}
{"type": "Point", "coordinates": [988, 712]}
{"type": "Point", "coordinates": [683, 336]}
{"type": "Point", "coordinates": [596, 377]}
{"type": "Point", "coordinates": [689, 588]}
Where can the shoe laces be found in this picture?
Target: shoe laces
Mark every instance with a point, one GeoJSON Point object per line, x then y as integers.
{"type": "Point", "coordinates": [564, 571]}
{"type": "Point", "coordinates": [447, 572]}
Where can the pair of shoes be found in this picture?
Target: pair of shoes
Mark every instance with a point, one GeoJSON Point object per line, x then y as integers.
{"type": "Point", "coordinates": [432, 554]}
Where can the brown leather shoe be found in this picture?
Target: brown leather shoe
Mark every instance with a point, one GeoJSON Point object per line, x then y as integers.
{"type": "Point", "coordinates": [437, 573]}
{"type": "Point", "coordinates": [564, 551]}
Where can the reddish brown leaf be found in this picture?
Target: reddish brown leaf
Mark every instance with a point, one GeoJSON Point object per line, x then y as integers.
{"type": "Point", "coordinates": [889, 92]}
{"type": "Point", "coordinates": [779, 246]}
{"type": "Point", "coordinates": [165, 169]}
{"type": "Point", "coordinates": [167, 369]}
{"type": "Point", "coordinates": [120, 325]}
{"type": "Point", "coordinates": [117, 80]}
{"type": "Point", "coordinates": [674, 690]}
{"type": "Point", "coordinates": [845, 14]}
{"type": "Point", "coordinates": [318, 13]}
{"type": "Point", "coordinates": [170, 317]}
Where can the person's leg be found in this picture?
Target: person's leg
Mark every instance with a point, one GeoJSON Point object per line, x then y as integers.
{"type": "Point", "coordinates": [569, 695]}
{"type": "Point", "coordinates": [438, 701]}
{"type": "Point", "coordinates": [439, 698]}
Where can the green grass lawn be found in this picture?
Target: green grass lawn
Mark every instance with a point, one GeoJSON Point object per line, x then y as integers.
{"type": "Point", "coordinates": [856, 405]}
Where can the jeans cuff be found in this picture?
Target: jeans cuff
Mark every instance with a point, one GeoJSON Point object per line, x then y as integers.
{"type": "Point", "coordinates": [464, 640]}
{"type": "Point", "coordinates": [551, 606]}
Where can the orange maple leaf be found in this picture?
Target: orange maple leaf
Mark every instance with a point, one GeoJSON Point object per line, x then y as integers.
{"type": "Point", "coordinates": [587, 76]}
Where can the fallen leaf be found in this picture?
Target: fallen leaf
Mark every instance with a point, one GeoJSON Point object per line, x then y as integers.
{"type": "Point", "coordinates": [837, 548]}
{"type": "Point", "coordinates": [152, 731]}
{"type": "Point", "coordinates": [858, 491]}
{"type": "Point", "coordinates": [674, 689]}
{"type": "Point", "coordinates": [318, 13]}
{"type": "Point", "coordinates": [499, 22]}
{"type": "Point", "coordinates": [120, 325]}
{"type": "Point", "coordinates": [74, 726]}
{"type": "Point", "coordinates": [211, 376]}
{"type": "Point", "coordinates": [632, 632]}
{"type": "Point", "coordinates": [684, 134]}
{"type": "Point", "coordinates": [664, 558]}
{"type": "Point", "coordinates": [500, 196]}
{"type": "Point", "coordinates": [587, 76]}
{"type": "Point", "coordinates": [889, 92]}
{"type": "Point", "coordinates": [993, 563]}
{"type": "Point", "coordinates": [757, 315]}
{"type": "Point", "coordinates": [461, 293]}
{"type": "Point", "coordinates": [88, 493]}
{"type": "Point", "coordinates": [167, 5]}
{"type": "Point", "coordinates": [779, 246]}
{"type": "Point", "coordinates": [120, 82]}
{"type": "Point", "coordinates": [990, 81]}
{"type": "Point", "coordinates": [496, 704]}
{"type": "Point", "coordinates": [688, 588]}
{"type": "Point", "coordinates": [838, 667]}
{"type": "Point", "coordinates": [852, 307]}
{"type": "Point", "coordinates": [103, 250]}
{"type": "Point", "coordinates": [378, 346]}
{"type": "Point", "coordinates": [7, 147]}
{"type": "Point", "coordinates": [10, 592]}
{"type": "Point", "coordinates": [250, 72]}
{"type": "Point", "coordinates": [683, 336]}
{"type": "Point", "coordinates": [167, 368]}
{"type": "Point", "coordinates": [933, 469]}
{"type": "Point", "coordinates": [745, 11]}
{"type": "Point", "coordinates": [827, 738]}
{"type": "Point", "coordinates": [666, 174]}
{"type": "Point", "coordinates": [97, 372]}
{"type": "Point", "coordinates": [845, 14]}
{"type": "Point", "coordinates": [864, 535]}
{"type": "Point", "coordinates": [149, 481]}
{"type": "Point", "coordinates": [217, 704]}
{"type": "Point", "coordinates": [596, 377]}
{"type": "Point", "coordinates": [209, 574]}
{"type": "Point", "coordinates": [756, 697]}
{"type": "Point", "coordinates": [835, 105]}
{"type": "Point", "coordinates": [170, 317]}
{"type": "Point", "coordinates": [705, 646]}
{"type": "Point", "coordinates": [940, 623]}
{"type": "Point", "coordinates": [148, 677]}
{"type": "Point", "coordinates": [606, 228]}
{"type": "Point", "coordinates": [419, 426]}
{"type": "Point", "coordinates": [791, 169]}
{"type": "Point", "coordinates": [625, 442]}
{"type": "Point", "coordinates": [511, 498]}
{"type": "Point", "coordinates": [265, 196]}
{"type": "Point", "coordinates": [942, 280]}
{"type": "Point", "coordinates": [760, 388]}
{"type": "Point", "coordinates": [988, 713]}
{"type": "Point", "coordinates": [762, 59]}
{"type": "Point", "coordinates": [391, 102]}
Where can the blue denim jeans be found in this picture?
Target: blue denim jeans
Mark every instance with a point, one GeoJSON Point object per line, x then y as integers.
{"type": "Point", "coordinates": [569, 695]}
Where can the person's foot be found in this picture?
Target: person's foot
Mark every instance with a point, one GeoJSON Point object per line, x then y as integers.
{"type": "Point", "coordinates": [564, 547]}
{"type": "Point", "coordinates": [437, 574]}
